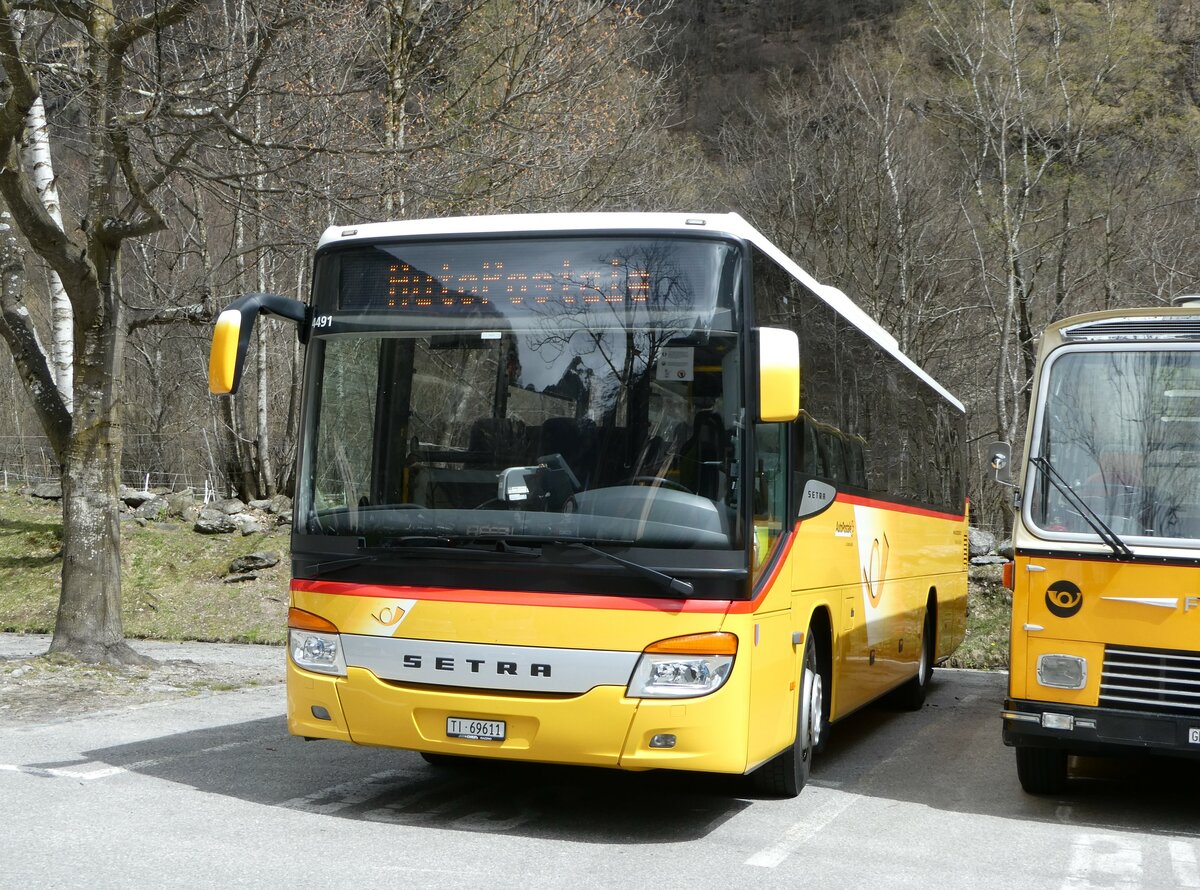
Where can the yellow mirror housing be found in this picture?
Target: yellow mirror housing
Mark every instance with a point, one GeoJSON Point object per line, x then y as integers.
{"type": "Point", "coordinates": [223, 355]}
{"type": "Point", "coordinates": [778, 375]}
{"type": "Point", "coordinates": [231, 336]}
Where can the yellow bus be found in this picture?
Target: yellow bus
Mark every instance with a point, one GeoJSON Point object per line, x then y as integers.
{"type": "Point", "coordinates": [623, 490]}
{"type": "Point", "coordinates": [1105, 645]}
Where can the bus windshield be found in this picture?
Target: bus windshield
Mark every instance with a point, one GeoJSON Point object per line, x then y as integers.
{"type": "Point", "coordinates": [522, 390]}
{"type": "Point", "coordinates": [1123, 429]}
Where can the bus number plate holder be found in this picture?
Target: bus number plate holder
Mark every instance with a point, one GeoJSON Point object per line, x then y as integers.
{"type": "Point", "coordinates": [479, 730]}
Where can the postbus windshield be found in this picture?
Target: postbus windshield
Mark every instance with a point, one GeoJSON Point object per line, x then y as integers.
{"type": "Point", "coordinates": [1122, 427]}
{"type": "Point", "coordinates": [580, 389]}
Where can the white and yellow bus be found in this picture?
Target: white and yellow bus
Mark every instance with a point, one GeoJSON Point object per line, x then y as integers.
{"type": "Point", "coordinates": [627, 490]}
{"type": "Point", "coordinates": [1105, 646]}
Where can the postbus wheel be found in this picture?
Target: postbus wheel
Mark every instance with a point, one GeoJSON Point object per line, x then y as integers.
{"type": "Point", "coordinates": [1042, 770]}
{"type": "Point", "coordinates": [911, 696]}
{"type": "Point", "coordinates": [787, 773]}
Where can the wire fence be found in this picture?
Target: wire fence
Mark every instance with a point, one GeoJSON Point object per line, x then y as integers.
{"type": "Point", "coordinates": [29, 460]}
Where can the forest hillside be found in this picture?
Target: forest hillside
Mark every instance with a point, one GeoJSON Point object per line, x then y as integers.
{"type": "Point", "coordinates": [966, 170]}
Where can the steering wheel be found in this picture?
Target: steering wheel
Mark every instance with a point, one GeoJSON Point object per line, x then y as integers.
{"type": "Point", "coordinates": [656, 482]}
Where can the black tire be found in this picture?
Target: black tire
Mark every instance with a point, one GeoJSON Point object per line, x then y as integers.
{"type": "Point", "coordinates": [911, 696]}
{"type": "Point", "coordinates": [787, 773]}
{"type": "Point", "coordinates": [1042, 770]}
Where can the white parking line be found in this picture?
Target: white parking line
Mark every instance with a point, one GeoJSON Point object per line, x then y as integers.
{"type": "Point", "coordinates": [1183, 863]}
{"type": "Point", "coordinates": [826, 805]}
{"type": "Point", "coordinates": [1109, 860]}
{"type": "Point", "coordinates": [104, 772]}
{"type": "Point", "coordinates": [55, 772]}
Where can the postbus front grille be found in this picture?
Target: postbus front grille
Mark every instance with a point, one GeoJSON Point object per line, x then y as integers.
{"type": "Point", "coordinates": [1160, 681]}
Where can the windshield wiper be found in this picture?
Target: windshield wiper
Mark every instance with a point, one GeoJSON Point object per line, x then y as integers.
{"type": "Point", "coordinates": [1107, 535]}
{"type": "Point", "coordinates": [459, 545]}
{"type": "Point", "coordinates": [663, 580]}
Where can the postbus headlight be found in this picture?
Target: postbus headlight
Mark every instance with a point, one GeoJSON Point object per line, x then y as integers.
{"type": "Point", "coordinates": [1062, 671]}
{"type": "Point", "coordinates": [314, 643]}
{"type": "Point", "coordinates": [684, 667]}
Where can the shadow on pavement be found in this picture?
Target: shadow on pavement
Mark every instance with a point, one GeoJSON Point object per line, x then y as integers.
{"type": "Point", "coordinates": [258, 762]}
{"type": "Point", "coordinates": [948, 757]}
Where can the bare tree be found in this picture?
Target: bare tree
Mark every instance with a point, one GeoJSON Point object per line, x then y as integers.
{"type": "Point", "coordinates": [140, 119]}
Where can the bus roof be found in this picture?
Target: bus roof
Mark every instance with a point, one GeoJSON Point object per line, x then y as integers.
{"type": "Point", "coordinates": [1165, 324]}
{"type": "Point", "coordinates": [729, 224]}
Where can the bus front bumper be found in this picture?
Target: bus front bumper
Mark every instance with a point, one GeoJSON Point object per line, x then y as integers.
{"type": "Point", "coordinates": [602, 727]}
{"type": "Point", "coordinates": [1088, 730]}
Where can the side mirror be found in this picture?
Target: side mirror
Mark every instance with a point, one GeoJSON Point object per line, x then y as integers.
{"type": "Point", "coordinates": [1000, 462]}
{"type": "Point", "coordinates": [778, 375]}
{"type": "Point", "coordinates": [231, 336]}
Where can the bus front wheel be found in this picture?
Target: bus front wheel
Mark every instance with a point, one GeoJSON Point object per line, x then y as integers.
{"type": "Point", "coordinates": [786, 774]}
{"type": "Point", "coordinates": [1042, 770]}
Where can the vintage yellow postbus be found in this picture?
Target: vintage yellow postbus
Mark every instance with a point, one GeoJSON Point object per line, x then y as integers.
{"type": "Point", "coordinates": [627, 490]}
{"type": "Point", "coordinates": [1105, 646]}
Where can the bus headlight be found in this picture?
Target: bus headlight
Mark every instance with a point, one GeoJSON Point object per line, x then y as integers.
{"type": "Point", "coordinates": [684, 667]}
{"type": "Point", "coordinates": [314, 643]}
{"type": "Point", "coordinates": [1062, 671]}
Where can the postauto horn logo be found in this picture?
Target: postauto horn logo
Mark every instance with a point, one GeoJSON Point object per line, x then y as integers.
{"type": "Point", "coordinates": [1064, 599]}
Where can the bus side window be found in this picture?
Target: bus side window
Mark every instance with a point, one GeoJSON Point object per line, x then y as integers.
{"type": "Point", "coordinates": [808, 458]}
{"type": "Point", "coordinates": [856, 469]}
{"type": "Point", "coordinates": [830, 447]}
{"type": "Point", "coordinates": [770, 488]}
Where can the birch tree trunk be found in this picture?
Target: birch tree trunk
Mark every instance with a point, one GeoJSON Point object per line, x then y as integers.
{"type": "Point", "coordinates": [35, 155]}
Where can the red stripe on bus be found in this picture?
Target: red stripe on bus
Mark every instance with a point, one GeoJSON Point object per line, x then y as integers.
{"type": "Point", "coordinates": [745, 607]}
{"type": "Point", "coordinates": [859, 501]}
{"type": "Point", "coordinates": [584, 601]}
{"type": "Point", "coordinates": [512, 597]}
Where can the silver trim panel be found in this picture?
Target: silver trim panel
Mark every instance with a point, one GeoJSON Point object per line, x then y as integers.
{"type": "Point", "coordinates": [486, 666]}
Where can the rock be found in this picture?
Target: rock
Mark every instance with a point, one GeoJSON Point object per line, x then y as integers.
{"type": "Point", "coordinates": [229, 507]}
{"type": "Point", "coordinates": [262, 504]}
{"type": "Point", "coordinates": [214, 522]}
{"type": "Point", "coordinates": [260, 559]}
{"type": "Point", "coordinates": [247, 524]}
{"type": "Point", "coordinates": [981, 543]}
{"type": "Point", "coordinates": [133, 498]}
{"type": "Point", "coordinates": [237, 579]}
{"type": "Point", "coordinates": [153, 509]}
{"type": "Point", "coordinates": [182, 503]}
{"type": "Point", "coordinates": [1005, 549]}
{"type": "Point", "coordinates": [282, 505]}
{"type": "Point", "coordinates": [47, 491]}
{"type": "Point", "coordinates": [988, 560]}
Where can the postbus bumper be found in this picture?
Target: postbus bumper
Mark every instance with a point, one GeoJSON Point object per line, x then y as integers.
{"type": "Point", "coordinates": [602, 727]}
{"type": "Point", "coordinates": [1088, 730]}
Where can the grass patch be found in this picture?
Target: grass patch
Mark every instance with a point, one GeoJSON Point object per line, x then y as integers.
{"type": "Point", "coordinates": [985, 646]}
{"type": "Point", "coordinates": [172, 580]}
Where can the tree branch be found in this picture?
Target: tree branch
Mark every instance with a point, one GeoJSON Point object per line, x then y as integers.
{"type": "Point", "coordinates": [125, 35]}
{"type": "Point", "coordinates": [196, 313]}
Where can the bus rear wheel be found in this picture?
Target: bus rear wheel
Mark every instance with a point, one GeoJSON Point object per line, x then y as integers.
{"type": "Point", "coordinates": [786, 774]}
{"type": "Point", "coordinates": [1042, 770]}
{"type": "Point", "coordinates": [911, 696]}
